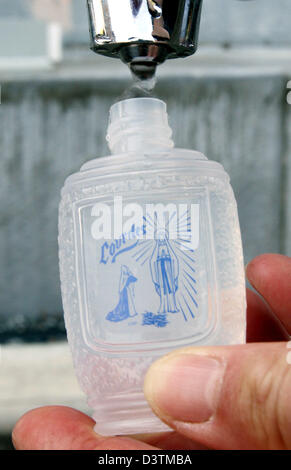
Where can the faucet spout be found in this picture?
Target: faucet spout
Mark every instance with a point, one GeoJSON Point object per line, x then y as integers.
{"type": "Point", "coordinates": [144, 33]}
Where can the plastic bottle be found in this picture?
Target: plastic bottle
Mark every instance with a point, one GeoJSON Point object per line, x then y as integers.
{"type": "Point", "coordinates": [150, 260]}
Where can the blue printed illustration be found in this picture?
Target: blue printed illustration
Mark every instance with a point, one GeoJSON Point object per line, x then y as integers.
{"type": "Point", "coordinates": [164, 267]}
{"type": "Point", "coordinates": [169, 264]}
{"type": "Point", "coordinates": [160, 321]}
{"type": "Point", "coordinates": [126, 306]}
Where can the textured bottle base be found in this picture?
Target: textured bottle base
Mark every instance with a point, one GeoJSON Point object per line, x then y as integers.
{"type": "Point", "coordinates": [125, 416]}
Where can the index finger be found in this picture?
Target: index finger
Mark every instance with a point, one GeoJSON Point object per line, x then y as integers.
{"type": "Point", "coordinates": [270, 275]}
{"type": "Point", "coordinates": [62, 428]}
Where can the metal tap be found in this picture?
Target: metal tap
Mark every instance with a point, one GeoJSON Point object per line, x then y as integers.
{"type": "Point", "coordinates": [144, 33]}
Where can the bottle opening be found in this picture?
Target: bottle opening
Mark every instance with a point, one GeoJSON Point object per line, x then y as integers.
{"type": "Point", "coordinates": [139, 124]}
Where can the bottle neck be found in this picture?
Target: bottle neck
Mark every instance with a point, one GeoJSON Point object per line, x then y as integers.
{"type": "Point", "coordinates": [139, 125]}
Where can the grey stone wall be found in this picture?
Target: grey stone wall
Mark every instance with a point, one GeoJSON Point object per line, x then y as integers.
{"type": "Point", "coordinates": [246, 22]}
{"type": "Point", "coordinates": [49, 128]}
{"type": "Point", "coordinates": [17, 8]}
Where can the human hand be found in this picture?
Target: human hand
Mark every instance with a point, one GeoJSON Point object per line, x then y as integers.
{"type": "Point", "coordinates": [232, 397]}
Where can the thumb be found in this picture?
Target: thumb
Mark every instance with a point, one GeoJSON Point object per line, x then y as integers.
{"type": "Point", "coordinates": [232, 397]}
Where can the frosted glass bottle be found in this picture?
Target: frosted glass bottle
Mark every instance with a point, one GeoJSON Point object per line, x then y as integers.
{"type": "Point", "coordinates": [150, 260]}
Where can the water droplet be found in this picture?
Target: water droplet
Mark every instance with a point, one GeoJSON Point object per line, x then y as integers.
{"type": "Point", "coordinates": [144, 80]}
{"type": "Point", "coordinates": [142, 86]}
{"type": "Point", "coordinates": [142, 70]}
{"type": "Point", "coordinates": [144, 76]}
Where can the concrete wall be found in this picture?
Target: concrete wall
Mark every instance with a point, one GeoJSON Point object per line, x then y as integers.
{"type": "Point", "coordinates": [246, 22]}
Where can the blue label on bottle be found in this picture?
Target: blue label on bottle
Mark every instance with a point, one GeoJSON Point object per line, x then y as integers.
{"type": "Point", "coordinates": [144, 272]}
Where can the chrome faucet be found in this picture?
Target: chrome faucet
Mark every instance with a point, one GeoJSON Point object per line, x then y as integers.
{"type": "Point", "coordinates": [144, 33]}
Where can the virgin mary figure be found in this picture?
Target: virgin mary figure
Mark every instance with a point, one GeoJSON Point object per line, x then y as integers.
{"type": "Point", "coordinates": [164, 267]}
{"type": "Point", "coordinates": [125, 307]}
{"type": "Point", "coordinates": [135, 5]}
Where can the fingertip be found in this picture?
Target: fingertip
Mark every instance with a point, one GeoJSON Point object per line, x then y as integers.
{"type": "Point", "coordinates": [18, 429]}
{"type": "Point", "coordinates": [63, 428]}
{"type": "Point", "coordinates": [254, 265]}
{"type": "Point", "coordinates": [26, 424]}
{"type": "Point", "coordinates": [53, 428]}
{"type": "Point", "coordinates": [261, 267]}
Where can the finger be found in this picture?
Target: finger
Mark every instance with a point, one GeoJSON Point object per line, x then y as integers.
{"type": "Point", "coordinates": [170, 441]}
{"type": "Point", "coordinates": [232, 397]}
{"type": "Point", "coordinates": [270, 275]}
{"type": "Point", "coordinates": [62, 428]}
{"type": "Point", "coordinates": [262, 325]}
